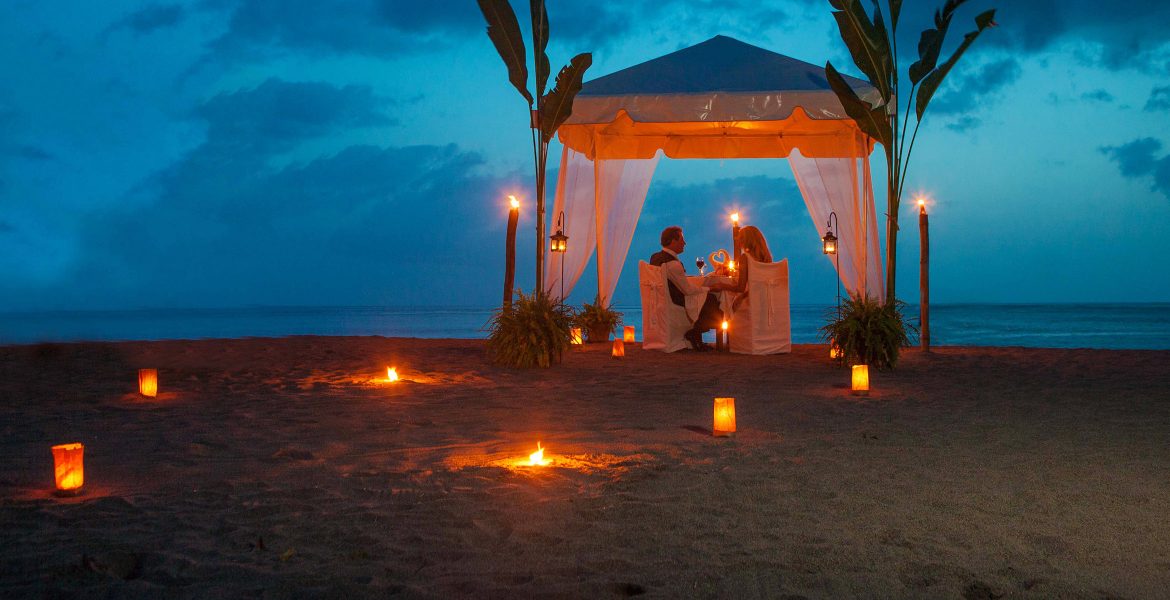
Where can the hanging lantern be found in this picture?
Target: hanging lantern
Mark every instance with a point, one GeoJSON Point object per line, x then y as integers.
{"type": "Point", "coordinates": [68, 470]}
{"type": "Point", "coordinates": [724, 417]}
{"type": "Point", "coordinates": [829, 243]}
{"type": "Point", "coordinates": [558, 242]}
{"type": "Point", "coordinates": [148, 382]}
{"type": "Point", "coordinates": [575, 336]}
{"type": "Point", "coordinates": [628, 334]}
{"type": "Point", "coordinates": [619, 349]}
{"type": "Point", "coordinates": [861, 380]}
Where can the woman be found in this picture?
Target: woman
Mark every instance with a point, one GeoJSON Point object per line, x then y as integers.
{"type": "Point", "coordinates": [753, 244]}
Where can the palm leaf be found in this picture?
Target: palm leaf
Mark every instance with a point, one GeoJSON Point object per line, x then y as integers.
{"type": "Point", "coordinates": [895, 10]}
{"type": "Point", "coordinates": [869, 50]}
{"type": "Point", "coordinates": [557, 105]}
{"type": "Point", "coordinates": [935, 78]}
{"type": "Point", "coordinates": [931, 41]}
{"type": "Point", "coordinates": [872, 121]}
{"type": "Point", "coordinates": [504, 30]}
{"type": "Point", "coordinates": [539, 43]}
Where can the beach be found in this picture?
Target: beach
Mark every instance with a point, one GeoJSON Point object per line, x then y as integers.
{"type": "Point", "coordinates": [290, 468]}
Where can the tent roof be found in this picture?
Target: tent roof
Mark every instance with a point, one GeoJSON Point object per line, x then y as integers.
{"type": "Point", "coordinates": [721, 79]}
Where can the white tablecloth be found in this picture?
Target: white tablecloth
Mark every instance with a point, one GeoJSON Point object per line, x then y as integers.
{"type": "Point", "coordinates": [725, 297]}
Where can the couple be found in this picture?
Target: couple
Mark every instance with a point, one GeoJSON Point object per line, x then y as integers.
{"type": "Point", "coordinates": [751, 243]}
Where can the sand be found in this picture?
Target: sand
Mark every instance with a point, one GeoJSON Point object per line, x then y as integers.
{"type": "Point", "coordinates": [287, 468]}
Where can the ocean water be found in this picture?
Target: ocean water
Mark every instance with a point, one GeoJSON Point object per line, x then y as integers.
{"type": "Point", "coordinates": [1114, 326]}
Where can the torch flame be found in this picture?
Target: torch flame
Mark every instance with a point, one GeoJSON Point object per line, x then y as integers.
{"type": "Point", "coordinates": [537, 458]}
{"type": "Point", "coordinates": [515, 203]}
{"type": "Point", "coordinates": [391, 374]}
{"type": "Point", "coordinates": [735, 217]}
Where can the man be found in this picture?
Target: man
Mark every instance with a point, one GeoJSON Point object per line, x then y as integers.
{"type": "Point", "coordinates": [679, 287]}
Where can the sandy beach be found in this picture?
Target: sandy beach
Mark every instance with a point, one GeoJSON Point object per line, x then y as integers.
{"type": "Point", "coordinates": [289, 468]}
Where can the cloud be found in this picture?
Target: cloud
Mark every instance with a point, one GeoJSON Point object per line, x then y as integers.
{"type": "Point", "coordinates": [380, 28]}
{"type": "Point", "coordinates": [1159, 99]}
{"type": "Point", "coordinates": [967, 91]}
{"type": "Point", "coordinates": [1098, 95]}
{"type": "Point", "coordinates": [1138, 159]}
{"type": "Point", "coordinates": [149, 19]}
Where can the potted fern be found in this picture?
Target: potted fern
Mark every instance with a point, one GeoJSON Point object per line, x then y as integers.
{"type": "Point", "coordinates": [598, 321]}
{"type": "Point", "coordinates": [868, 331]}
{"type": "Point", "coordinates": [532, 331]}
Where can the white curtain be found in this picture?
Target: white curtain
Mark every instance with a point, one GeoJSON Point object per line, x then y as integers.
{"type": "Point", "coordinates": [601, 200]}
{"type": "Point", "coordinates": [842, 186]}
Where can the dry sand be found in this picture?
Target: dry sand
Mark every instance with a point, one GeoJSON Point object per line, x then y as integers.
{"type": "Point", "coordinates": [282, 468]}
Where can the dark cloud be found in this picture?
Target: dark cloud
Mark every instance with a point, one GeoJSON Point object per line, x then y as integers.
{"type": "Point", "coordinates": [1159, 99]}
{"type": "Point", "coordinates": [149, 19]}
{"type": "Point", "coordinates": [964, 93]}
{"type": "Point", "coordinates": [277, 114]}
{"type": "Point", "coordinates": [1138, 159]}
{"type": "Point", "coordinates": [964, 124]}
{"type": "Point", "coordinates": [1098, 95]}
{"type": "Point", "coordinates": [258, 28]}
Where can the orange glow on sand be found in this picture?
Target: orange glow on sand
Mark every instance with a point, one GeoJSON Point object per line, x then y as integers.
{"type": "Point", "coordinates": [537, 458]}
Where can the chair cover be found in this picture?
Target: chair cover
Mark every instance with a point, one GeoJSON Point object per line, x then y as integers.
{"type": "Point", "coordinates": [663, 321]}
{"type": "Point", "coordinates": [764, 325]}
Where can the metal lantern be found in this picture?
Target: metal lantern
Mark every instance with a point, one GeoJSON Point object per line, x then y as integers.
{"type": "Point", "coordinates": [557, 241]}
{"type": "Point", "coordinates": [829, 243]}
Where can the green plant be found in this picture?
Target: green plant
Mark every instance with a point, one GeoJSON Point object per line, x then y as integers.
{"type": "Point", "coordinates": [532, 331]}
{"type": "Point", "coordinates": [598, 320]}
{"type": "Point", "coordinates": [868, 331]}
{"type": "Point", "coordinates": [874, 50]}
{"type": "Point", "coordinates": [552, 108]}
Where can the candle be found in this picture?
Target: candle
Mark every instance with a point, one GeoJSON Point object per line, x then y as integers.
{"type": "Point", "coordinates": [724, 424]}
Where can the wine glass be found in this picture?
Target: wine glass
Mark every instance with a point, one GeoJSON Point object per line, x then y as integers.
{"type": "Point", "coordinates": [699, 262]}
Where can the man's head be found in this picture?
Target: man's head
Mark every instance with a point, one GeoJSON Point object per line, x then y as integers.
{"type": "Point", "coordinates": [672, 239]}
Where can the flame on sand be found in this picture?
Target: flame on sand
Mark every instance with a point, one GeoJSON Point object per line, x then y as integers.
{"type": "Point", "coordinates": [537, 458]}
{"type": "Point", "coordinates": [391, 374]}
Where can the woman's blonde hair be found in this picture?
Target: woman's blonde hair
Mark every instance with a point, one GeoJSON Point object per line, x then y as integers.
{"type": "Point", "coordinates": [753, 243]}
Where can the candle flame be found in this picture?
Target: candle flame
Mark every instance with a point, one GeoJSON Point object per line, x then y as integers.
{"type": "Point", "coordinates": [391, 374]}
{"type": "Point", "coordinates": [537, 458]}
{"type": "Point", "coordinates": [725, 326]}
{"type": "Point", "coordinates": [731, 265]}
{"type": "Point", "coordinates": [921, 201]}
{"type": "Point", "coordinates": [515, 203]}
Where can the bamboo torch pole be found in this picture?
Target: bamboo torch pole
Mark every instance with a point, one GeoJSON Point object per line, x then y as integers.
{"type": "Point", "coordinates": [924, 275]}
{"type": "Point", "coordinates": [510, 250]}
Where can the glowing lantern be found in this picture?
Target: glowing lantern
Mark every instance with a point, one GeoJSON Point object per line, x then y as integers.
{"type": "Point", "coordinates": [391, 374]}
{"type": "Point", "coordinates": [861, 380]}
{"type": "Point", "coordinates": [835, 350]}
{"type": "Point", "coordinates": [148, 382]}
{"type": "Point", "coordinates": [619, 349]}
{"type": "Point", "coordinates": [628, 334]}
{"type": "Point", "coordinates": [575, 336]}
{"type": "Point", "coordinates": [68, 470]}
{"type": "Point", "coordinates": [537, 458]}
{"type": "Point", "coordinates": [724, 417]}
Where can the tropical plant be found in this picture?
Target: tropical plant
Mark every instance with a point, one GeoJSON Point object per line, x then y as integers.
{"type": "Point", "coordinates": [532, 331]}
{"type": "Point", "coordinates": [868, 331]}
{"type": "Point", "coordinates": [552, 108]}
{"type": "Point", "coordinates": [598, 320]}
{"type": "Point", "coordinates": [874, 50]}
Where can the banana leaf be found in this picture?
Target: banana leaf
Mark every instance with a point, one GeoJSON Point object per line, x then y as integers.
{"type": "Point", "coordinates": [872, 121]}
{"type": "Point", "coordinates": [870, 52]}
{"type": "Point", "coordinates": [539, 43]}
{"type": "Point", "coordinates": [557, 105]}
{"type": "Point", "coordinates": [931, 41]}
{"type": "Point", "coordinates": [504, 30]}
{"type": "Point", "coordinates": [935, 78]}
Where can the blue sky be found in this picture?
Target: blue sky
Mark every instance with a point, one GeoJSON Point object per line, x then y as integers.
{"type": "Point", "coordinates": [262, 152]}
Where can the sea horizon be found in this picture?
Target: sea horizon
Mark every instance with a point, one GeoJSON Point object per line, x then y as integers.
{"type": "Point", "coordinates": [1144, 325]}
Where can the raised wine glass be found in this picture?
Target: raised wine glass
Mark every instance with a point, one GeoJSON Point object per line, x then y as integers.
{"type": "Point", "coordinates": [699, 262]}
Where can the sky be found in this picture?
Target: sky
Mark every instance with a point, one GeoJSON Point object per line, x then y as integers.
{"type": "Point", "coordinates": [224, 153]}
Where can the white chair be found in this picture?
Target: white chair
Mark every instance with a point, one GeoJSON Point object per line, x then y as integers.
{"type": "Point", "coordinates": [663, 321]}
{"type": "Point", "coordinates": [764, 325]}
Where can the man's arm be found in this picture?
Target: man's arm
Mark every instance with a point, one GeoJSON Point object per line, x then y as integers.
{"type": "Point", "coordinates": [677, 276]}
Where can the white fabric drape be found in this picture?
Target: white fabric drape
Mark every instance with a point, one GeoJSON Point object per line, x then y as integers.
{"type": "Point", "coordinates": [604, 201]}
{"type": "Point", "coordinates": [841, 185]}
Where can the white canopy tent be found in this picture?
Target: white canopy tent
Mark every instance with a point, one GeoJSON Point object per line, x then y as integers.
{"type": "Point", "coordinates": [718, 99]}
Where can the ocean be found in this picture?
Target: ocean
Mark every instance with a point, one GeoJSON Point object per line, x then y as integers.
{"type": "Point", "coordinates": [1111, 326]}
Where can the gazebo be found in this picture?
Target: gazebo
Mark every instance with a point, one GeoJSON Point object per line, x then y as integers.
{"type": "Point", "coordinates": [719, 99]}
